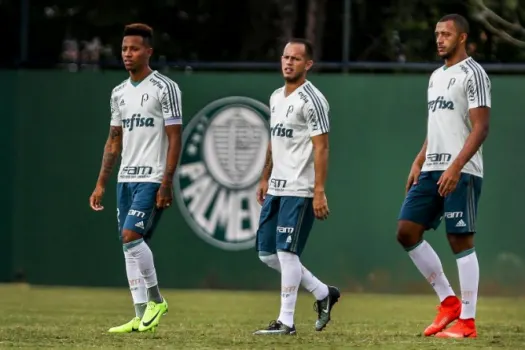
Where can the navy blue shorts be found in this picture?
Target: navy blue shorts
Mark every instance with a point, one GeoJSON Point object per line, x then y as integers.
{"type": "Point", "coordinates": [423, 204]}
{"type": "Point", "coordinates": [136, 207]}
{"type": "Point", "coordinates": [284, 224]}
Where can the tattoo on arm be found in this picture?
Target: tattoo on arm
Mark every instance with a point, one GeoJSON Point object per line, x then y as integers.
{"type": "Point", "coordinates": [115, 132]}
{"type": "Point", "coordinates": [111, 153]}
{"type": "Point", "coordinates": [268, 164]}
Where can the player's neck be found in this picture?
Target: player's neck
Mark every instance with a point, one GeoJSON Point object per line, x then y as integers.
{"type": "Point", "coordinates": [139, 75]}
{"type": "Point", "coordinates": [290, 87]}
{"type": "Point", "coordinates": [460, 56]}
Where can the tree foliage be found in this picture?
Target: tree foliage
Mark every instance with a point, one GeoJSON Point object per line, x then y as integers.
{"type": "Point", "coordinates": [255, 30]}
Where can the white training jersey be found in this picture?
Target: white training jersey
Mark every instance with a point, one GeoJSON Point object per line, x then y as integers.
{"type": "Point", "coordinates": [452, 92]}
{"type": "Point", "coordinates": [143, 110]}
{"type": "Point", "coordinates": [294, 120]}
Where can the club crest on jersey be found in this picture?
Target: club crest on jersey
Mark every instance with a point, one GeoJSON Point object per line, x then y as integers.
{"type": "Point", "coordinates": [451, 83]}
{"type": "Point", "coordinates": [290, 110]}
{"type": "Point", "coordinates": [144, 99]}
{"type": "Point", "coordinates": [221, 162]}
{"type": "Point", "coordinates": [440, 103]}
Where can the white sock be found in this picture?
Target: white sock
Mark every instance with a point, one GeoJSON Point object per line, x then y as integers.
{"type": "Point", "coordinates": [308, 280]}
{"type": "Point", "coordinates": [144, 257]}
{"type": "Point", "coordinates": [313, 284]}
{"type": "Point", "coordinates": [291, 274]}
{"type": "Point", "coordinates": [428, 263]}
{"type": "Point", "coordinates": [468, 268]}
{"type": "Point", "coordinates": [136, 284]}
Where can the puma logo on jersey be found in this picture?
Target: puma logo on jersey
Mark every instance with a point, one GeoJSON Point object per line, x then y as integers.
{"type": "Point", "coordinates": [137, 121]}
{"type": "Point", "coordinates": [440, 103]}
{"type": "Point", "coordinates": [280, 131]}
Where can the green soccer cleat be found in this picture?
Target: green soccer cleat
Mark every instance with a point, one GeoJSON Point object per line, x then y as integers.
{"type": "Point", "coordinates": [324, 308]}
{"type": "Point", "coordinates": [276, 328]}
{"type": "Point", "coordinates": [131, 326]}
{"type": "Point", "coordinates": [152, 316]}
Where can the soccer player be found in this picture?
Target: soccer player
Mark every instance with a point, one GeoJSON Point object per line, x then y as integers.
{"type": "Point", "coordinates": [446, 176]}
{"type": "Point", "coordinates": [145, 125]}
{"type": "Point", "coordinates": [292, 186]}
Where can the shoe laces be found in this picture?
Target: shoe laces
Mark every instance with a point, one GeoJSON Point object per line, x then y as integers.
{"type": "Point", "coordinates": [317, 307]}
{"type": "Point", "coordinates": [274, 324]}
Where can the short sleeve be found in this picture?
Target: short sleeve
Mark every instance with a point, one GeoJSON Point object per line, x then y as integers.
{"type": "Point", "coordinates": [478, 88]}
{"type": "Point", "coordinates": [171, 104]}
{"type": "Point", "coordinates": [116, 117]}
{"type": "Point", "coordinates": [316, 111]}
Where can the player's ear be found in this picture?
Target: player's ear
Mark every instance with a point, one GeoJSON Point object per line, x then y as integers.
{"type": "Point", "coordinates": [463, 38]}
{"type": "Point", "coordinates": [309, 64]}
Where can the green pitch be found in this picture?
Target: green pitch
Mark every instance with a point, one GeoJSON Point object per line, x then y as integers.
{"type": "Point", "coordinates": [69, 318]}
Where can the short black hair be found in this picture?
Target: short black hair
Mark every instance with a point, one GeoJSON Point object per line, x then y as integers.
{"type": "Point", "coordinates": [308, 46]}
{"type": "Point", "coordinates": [140, 29]}
{"type": "Point", "coordinates": [459, 21]}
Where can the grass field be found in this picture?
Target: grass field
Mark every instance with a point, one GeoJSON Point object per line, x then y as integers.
{"type": "Point", "coordinates": [78, 318]}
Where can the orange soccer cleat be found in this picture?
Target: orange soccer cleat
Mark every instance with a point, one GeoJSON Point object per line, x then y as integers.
{"type": "Point", "coordinates": [448, 312]}
{"type": "Point", "coordinates": [462, 329]}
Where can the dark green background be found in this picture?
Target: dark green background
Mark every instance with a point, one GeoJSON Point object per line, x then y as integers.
{"type": "Point", "coordinates": [54, 125]}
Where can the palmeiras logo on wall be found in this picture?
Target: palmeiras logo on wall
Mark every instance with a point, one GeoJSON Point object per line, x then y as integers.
{"type": "Point", "coordinates": [222, 159]}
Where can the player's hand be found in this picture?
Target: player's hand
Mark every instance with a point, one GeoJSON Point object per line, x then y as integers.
{"type": "Point", "coordinates": [164, 195]}
{"type": "Point", "coordinates": [261, 191]}
{"type": "Point", "coordinates": [320, 205]}
{"type": "Point", "coordinates": [96, 198]}
{"type": "Point", "coordinates": [449, 180]}
{"type": "Point", "coordinates": [413, 177]}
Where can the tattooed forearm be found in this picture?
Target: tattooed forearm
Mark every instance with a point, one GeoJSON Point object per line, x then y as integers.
{"type": "Point", "coordinates": [111, 153]}
{"type": "Point", "coordinates": [268, 164]}
{"type": "Point", "coordinates": [115, 132]}
{"type": "Point", "coordinates": [108, 162]}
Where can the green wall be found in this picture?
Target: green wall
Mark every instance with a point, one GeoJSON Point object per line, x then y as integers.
{"type": "Point", "coordinates": [55, 125]}
{"type": "Point", "coordinates": [8, 91]}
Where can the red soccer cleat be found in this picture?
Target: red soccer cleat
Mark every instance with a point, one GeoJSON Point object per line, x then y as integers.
{"type": "Point", "coordinates": [448, 312]}
{"type": "Point", "coordinates": [462, 329]}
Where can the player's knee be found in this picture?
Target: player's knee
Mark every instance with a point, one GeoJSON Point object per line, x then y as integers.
{"type": "Point", "coordinates": [409, 233]}
{"type": "Point", "coordinates": [287, 256]}
{"type": "Point", "coordinates": [290, 263]}
{"type": "Point", "coordinates": [271, 260]}
{"type": "Point", "coordinates": [461, 242]}
{"type": "Point", "coordinates": [130, 236]}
